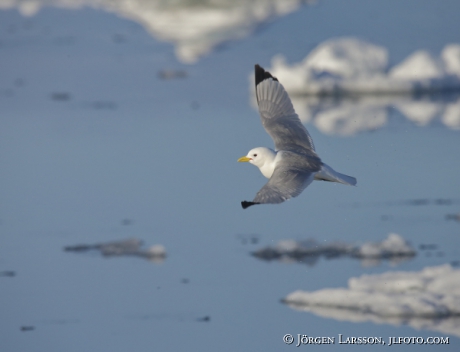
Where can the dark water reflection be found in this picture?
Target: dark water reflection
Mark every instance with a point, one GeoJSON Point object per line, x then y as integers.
{"type": "Point", "coordinates": [347, 116]}
{"type": "Point", "coordinates": [394, 249]}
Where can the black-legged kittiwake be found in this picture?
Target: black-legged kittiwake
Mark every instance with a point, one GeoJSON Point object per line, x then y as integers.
{"type": "Point", "coordinates": [294, 164]}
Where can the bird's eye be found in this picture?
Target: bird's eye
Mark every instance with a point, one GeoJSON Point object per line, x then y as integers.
{"type": "Point", "coordinates": [254, 155]}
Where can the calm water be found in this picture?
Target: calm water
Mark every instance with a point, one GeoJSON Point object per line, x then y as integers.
{"type": "Point", "coordinates": [96, 146]}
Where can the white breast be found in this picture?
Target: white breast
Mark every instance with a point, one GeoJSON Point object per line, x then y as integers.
{"type": "Point", "coordinates": [268, 167]}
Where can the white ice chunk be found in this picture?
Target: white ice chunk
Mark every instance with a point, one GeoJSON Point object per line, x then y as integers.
{"type": "Point", "coordinates": [194, 27]}
{"type": "Point", "coordinates": [348, 58]}
{"type": "Point", "coordinates": [418, 66]}
{"type": "Point", "coordinates": [393, 247]}
{"type": "Point", "coordinates": [355, 77]}
{"type": "Point", "coordinates": [350, 65]}
{"type": "Point", "coordinates": [127, 247]}
{"type": "Point", "coordinates": [428, 299]}
{"type": "Point", "coordinates": [451, 57]}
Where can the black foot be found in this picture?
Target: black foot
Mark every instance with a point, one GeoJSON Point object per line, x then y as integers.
{"type": "Point", "coordinates": [246, 204]}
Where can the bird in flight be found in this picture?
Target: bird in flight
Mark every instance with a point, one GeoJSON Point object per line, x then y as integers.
{"type": "Point", "coordinates": [294, 164]}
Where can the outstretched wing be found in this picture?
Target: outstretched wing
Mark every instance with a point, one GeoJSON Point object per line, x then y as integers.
{"type": "Point", "coordinates": [293, 173]}
{"type": "Point", "coordinates": [278, 116]}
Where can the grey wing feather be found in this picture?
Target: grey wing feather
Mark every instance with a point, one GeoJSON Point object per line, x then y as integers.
{"type": "Point", "coordinates": [279, 118]}
{"type": "Point", "coordinates": [288, 180]}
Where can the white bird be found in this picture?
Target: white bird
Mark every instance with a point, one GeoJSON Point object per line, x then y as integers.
{"type": "Point", "coordinates": [294, 164]}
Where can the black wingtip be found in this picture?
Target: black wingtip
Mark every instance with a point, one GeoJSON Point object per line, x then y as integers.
{"type": "Point", "coordinates": [262, 75]}
{"type": "Point", "coordinates": [246, 204]}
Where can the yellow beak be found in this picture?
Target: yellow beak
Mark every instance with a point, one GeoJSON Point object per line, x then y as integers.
{"type": "Point", "coordinates": [244, 158]}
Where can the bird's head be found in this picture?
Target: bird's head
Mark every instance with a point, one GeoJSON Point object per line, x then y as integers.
{"type": "Point", "coordinates": [258, 156]}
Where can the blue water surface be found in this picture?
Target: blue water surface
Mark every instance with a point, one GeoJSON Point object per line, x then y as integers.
{"type": "Point", "coordinates": [96, 147]}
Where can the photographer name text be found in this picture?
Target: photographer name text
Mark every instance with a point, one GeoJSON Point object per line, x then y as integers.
{"type": "Point", "coordinates": [302, 339]}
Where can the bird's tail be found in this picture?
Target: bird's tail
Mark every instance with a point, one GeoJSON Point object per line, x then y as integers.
{"type": "Point", "coordinates": [327, 173]}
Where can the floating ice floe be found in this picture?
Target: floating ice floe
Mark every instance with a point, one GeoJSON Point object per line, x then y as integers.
{"type": "Point", "coordinates": [194, 27]}
{"type": "Point", "coordinates": [128, 247]}
{"type": "Point", "coordinates": [393, 248]}
{"type": "Point", "coordinates": [427, 299]}
{"type": "Point", "coordinates": [345, 86]}
{"type": "Point", "coordinates": [352, 66]}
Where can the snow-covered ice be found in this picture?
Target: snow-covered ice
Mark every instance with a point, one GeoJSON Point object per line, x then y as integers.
{"type": "Point", "coordinates": [353, 66]}
{"type": "Point", "coordinates": [393, 248]}
{"type": "Point", "coordinates": [426, 299]}
{"type": "Point", "coordinates": [346, 85]}
{"type": "Point", "coordinates": [128, 247]}
{"type": "Point", "coordinates": [194, 27]}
